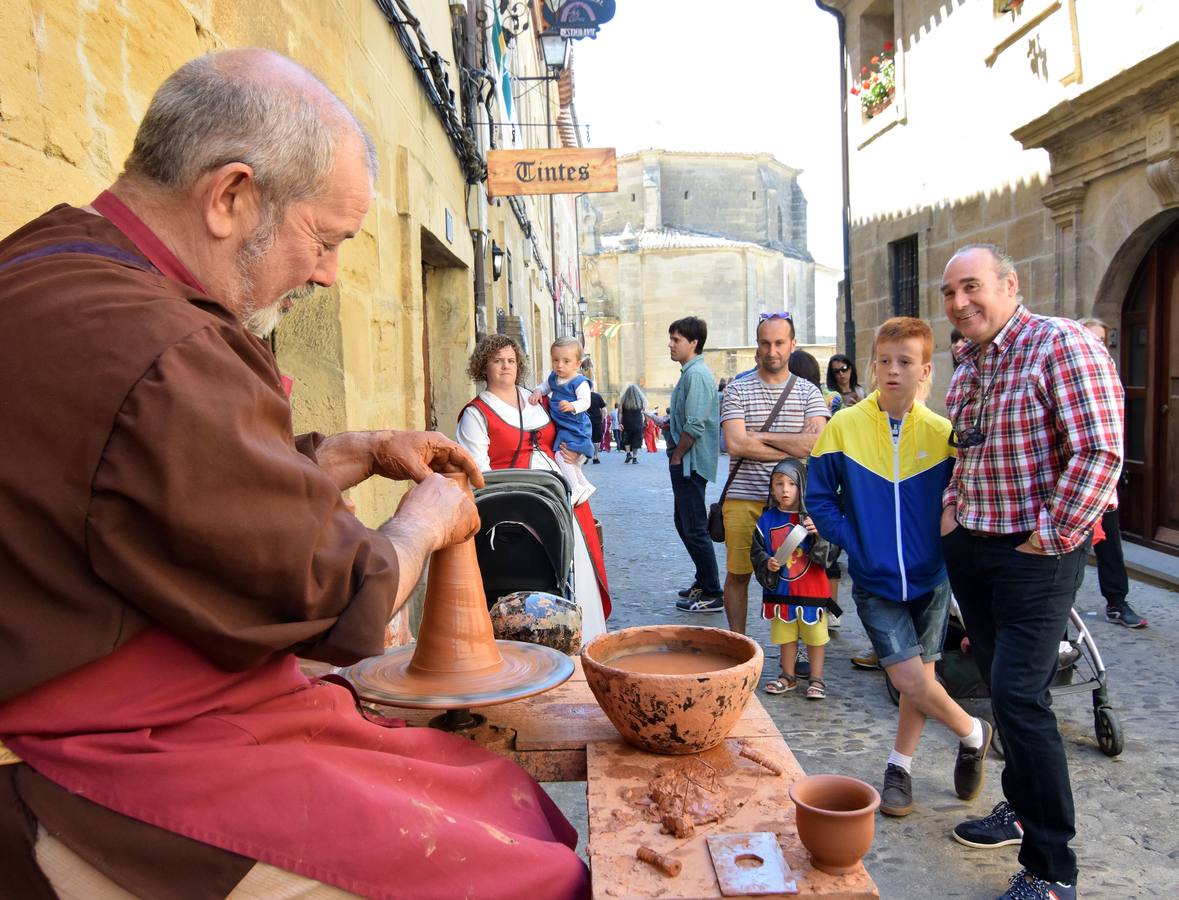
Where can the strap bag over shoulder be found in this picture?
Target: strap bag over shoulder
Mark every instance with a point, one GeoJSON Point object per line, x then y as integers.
{"type": "Point", "coordinates": [716, 519]}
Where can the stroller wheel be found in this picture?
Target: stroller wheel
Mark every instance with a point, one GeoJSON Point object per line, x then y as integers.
{"type": "Point", "coordinates": [1109, 732]}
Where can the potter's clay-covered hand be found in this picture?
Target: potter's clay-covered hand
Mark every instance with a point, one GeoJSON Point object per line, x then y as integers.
{"type": "Point", "coordinates": [440, 509]}
{"type": "Point", "coordinates": [404, 455]}
{"type": "Point", "coordinates": [351, 457]}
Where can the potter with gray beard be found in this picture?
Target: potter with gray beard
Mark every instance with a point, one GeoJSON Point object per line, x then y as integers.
{"type": "Point", "coordinates": [181, 543]}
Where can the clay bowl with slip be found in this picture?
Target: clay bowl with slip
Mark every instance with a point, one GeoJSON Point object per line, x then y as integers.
{"type": "Point", "coordinates": [672, 689]}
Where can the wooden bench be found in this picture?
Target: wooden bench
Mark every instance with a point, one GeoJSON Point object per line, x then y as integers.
{"type": "Point", "coordinates": [563, 735]}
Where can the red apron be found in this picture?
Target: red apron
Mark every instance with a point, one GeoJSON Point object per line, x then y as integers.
{"type": "Point", "coordinates": [505, 438]}
{"type": "Point", "coordinates": [276, 767]}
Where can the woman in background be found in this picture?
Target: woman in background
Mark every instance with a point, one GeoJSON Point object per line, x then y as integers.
{"type": "Point", "coordinates": [632, 404]}
{"type": "Point", "coordinates": [844, 383]}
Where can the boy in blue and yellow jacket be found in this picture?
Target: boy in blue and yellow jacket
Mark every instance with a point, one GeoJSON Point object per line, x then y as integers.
{"type": "Point", "coordinates": [876, 479]}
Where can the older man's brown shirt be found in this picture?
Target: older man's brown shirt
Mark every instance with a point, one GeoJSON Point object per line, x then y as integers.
{"type": "Point", "coordinates": [150, 475]}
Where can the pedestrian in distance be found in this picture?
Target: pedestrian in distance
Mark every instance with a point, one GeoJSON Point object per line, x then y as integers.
{"type": "Point", "coordinates": [1107, 541]}
{"type": "Point", "coordinates": [632, 404]}
{"type": "Point", "coordinates": [1037, 412]}
{"type": "Point", "coordinates": [598, 418]}
{"type": "Point", "coordinates": [887, 460]}
{"type": "Point", "coordinates": [957, 345]}
{"type": "Point", "coordinates": [795, 591]}
{"type": "Point", "coordinates": [569, 402]}
{"type": "Point", "coordinates": [757, 442]}
{"type": "Point", "coordinates": [616, 430]}
{"type": "Point", "coordinates": [693, 440]}
{"type": "Point", "coordinates": [651, 429]}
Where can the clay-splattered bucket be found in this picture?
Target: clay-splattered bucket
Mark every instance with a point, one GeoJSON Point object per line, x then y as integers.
{"type": "Point", "coordinates": [673, 712]}
{"type": "Point", "coordinates": [836, 819]}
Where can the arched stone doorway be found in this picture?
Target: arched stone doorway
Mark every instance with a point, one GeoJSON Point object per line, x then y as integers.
{"type": "Point", "coordinates": [1148, 347]}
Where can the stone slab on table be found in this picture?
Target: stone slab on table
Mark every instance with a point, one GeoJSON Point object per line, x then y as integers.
{"type": "Point", "coordinates": [619, 773]}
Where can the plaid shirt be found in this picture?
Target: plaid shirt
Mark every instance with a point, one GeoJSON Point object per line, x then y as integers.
{"type": "Point", "coordinates": [1048, 398]}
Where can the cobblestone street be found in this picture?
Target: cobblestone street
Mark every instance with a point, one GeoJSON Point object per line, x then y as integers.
{"type": "Point", "coordinates": [1126, 806]}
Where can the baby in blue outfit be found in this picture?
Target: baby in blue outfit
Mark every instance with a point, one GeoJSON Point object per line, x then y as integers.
{"type": "Point", "coordinates": [569, 400]}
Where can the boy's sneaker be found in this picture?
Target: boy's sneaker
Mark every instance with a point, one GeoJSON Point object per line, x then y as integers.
{"type": "Point", "coordinates": [968, 768]}
{"type": "Point", "coordinates": [998, 829]}
{"type": "Point", "coordinates": [896, 797]}
{"type": "Point", "coordinates": [1121, 614]}
{"type": "Point", "coordinates": [1026, 886]}
{"type": "Point", "coordinates": [702, 603]}
{"type": "Point", "coordinates": [690, 592]}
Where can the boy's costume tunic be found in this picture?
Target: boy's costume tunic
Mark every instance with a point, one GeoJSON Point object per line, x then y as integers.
{"type": "Point", "coordinates": [166, 544]}
{"type": "Point", "coordinates": [796, 582]}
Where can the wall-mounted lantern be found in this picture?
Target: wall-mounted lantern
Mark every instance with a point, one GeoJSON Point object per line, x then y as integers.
{"type": "Point", "coordinates": [497, 261]}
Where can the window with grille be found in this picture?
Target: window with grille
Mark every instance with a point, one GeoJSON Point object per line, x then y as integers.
{"type": "Point", "coordinates": [902, 269]}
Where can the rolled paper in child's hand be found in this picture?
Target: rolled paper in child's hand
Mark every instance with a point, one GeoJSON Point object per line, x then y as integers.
{"type": "Point", "coordinates": [793, 541]}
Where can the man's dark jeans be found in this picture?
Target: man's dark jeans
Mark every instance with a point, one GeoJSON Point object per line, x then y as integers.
{"type": "Point", "coordinates": [1016, 606]}
{"type": "Point", "coordinates": [691, 524]}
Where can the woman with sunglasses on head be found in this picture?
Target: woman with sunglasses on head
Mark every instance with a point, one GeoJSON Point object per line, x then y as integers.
{"type": "Point", "coordinates": [844, 383]}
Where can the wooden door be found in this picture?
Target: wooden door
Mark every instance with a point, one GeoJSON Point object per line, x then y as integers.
{"type": "Point", "coordinates": [1149, 346]}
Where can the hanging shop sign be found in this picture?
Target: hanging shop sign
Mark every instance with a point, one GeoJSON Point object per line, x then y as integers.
{"type": "Point", "coordinates": [577, 18]}
{"type": "Point", "coordinates": [566, 170]}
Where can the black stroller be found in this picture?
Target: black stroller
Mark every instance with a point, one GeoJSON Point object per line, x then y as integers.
{"type": "Point", "coordinates": [959, 674]}
{"type": "Point", "coordinates": [525, 539]}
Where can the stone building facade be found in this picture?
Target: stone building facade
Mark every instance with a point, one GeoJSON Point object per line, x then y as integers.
{"type": "Point", "coordinates": [1050, 127]}
{"type": "Point", "coordinates": [387, 345]}
{"type": "Point", "coordinates": [721, 236]}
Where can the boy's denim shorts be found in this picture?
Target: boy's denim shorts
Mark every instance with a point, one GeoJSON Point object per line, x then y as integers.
{"type": "Point", "coordinates": [900, 631]}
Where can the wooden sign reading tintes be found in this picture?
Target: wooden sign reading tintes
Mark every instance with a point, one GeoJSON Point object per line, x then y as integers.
{"type": "Point", "coordinates": [558, 171]}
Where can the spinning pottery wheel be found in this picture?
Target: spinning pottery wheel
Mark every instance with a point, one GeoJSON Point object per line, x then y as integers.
{"type": "Point", "coordinates": [457, 664]}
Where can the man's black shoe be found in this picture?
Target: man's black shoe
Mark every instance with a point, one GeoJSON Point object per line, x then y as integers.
{"type": "Point", "coordinates": [702, 603]}
{"type": "Point", "coordinates": [689, 591]}
{"type": "Point", "coordinates": [998, 829]}
{"type": "Point", "coordinates": [896, 797]}
{"type": "Point", "coordinates": [969, 773]}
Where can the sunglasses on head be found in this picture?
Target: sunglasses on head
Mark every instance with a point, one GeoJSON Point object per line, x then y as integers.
{"type": "Point", "coordinates": [839, 370]}
{"type": "Point", "coordinates": [778, 315]}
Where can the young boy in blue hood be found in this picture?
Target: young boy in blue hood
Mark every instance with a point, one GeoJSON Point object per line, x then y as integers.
{"type": "Point", "coordinates": [794, 592]}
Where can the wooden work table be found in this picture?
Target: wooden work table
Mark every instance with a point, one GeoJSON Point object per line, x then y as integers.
{"type": "Point", "coordinates": [563, 735]}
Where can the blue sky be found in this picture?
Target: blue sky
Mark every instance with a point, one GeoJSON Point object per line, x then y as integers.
{"type": "Point", "coordinates": [749, 76]}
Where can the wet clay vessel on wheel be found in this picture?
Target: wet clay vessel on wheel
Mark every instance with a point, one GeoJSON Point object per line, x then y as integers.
{"type": "Point", "coordinates": [836, 818]}
{"type": "Point", "coordinates": [457, 663]}
{"type": "Point", "coordinates": [678, 708]}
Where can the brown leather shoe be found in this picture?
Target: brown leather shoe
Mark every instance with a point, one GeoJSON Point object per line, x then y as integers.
{"type": "Point", "coordinates": [866, 659]}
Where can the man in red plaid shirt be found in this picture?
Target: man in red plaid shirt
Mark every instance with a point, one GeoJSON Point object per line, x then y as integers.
{"type": "Point", "coordinates": [1037, 412]}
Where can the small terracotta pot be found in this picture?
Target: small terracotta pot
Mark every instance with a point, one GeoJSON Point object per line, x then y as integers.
{"type": "Point", "coordinates": [836, 818]}
{"type": "Point", "coordinates": [673, 713]}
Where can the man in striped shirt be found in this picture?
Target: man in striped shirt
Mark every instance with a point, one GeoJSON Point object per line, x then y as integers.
{"type": "Point", "coordinates": [1036, 407]}
{"type": "Point", "coordinates": [746, 405]}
